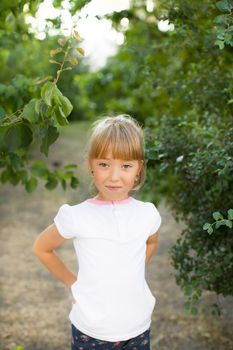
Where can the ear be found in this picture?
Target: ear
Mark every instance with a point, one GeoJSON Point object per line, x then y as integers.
{"type": "Point", "coordinates": [90, 164]}
{"type": "Point", "coordinates": [141, 164]}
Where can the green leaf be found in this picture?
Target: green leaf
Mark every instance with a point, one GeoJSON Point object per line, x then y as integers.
{"type": "Point", "coordinates": [62, 114]}
{"type": "Point", "coordinates": [228, 223]}
{"type": "Point", "coordinates": [18, 136]}
{"type": "Point", "coordinates": [225, 5]}
{"type": "Point", "coordinates": [219, 223]}
{"type": "Point", "coordinates": [16, 161]}
{"type": "Point", "coordinates": [49, 138]}
{"type": "Point", "coordinates": [14, 178]}
{"type": "Point", "coordinates": [220, 44]}
{"type": "Point", "coordinates": [195, 297]}
{"type": "Point", "coordinates": [38, 105]}
{"type": "Point", "coordinates": [70, 166]}
{"type": "Point", "coordinates": [67, 68]}
{"type": "Point", "coordinates": [222, 19]}
{"type": "Point", "coordinates": [64, 103]}
{"type": "Point", "coordinates": [47, 92]}
{"type": "Point", "coordinates": [31, 184]}
{"type": "Point", "coordinates": [152, 154]}
{"type": "Point", "coordinates": [188, 289]}
{"type": "Point", "coordinates": [2, 163]}
{"type": "Point", "coordinates": [39, 168]}
{"type": "Point", "coordinates": [59, 105]}
{"type": "Point", "coordinates": [49, 111]}
{"type": "Point", "coordinates": [3, 130]}
{"type": "Point", "coordinates": [74, 182]}
{"type": "Point", "coordinates": [206, 226]}
{"type": "Point", "coordinates": [217, 215]}
{"type": "Point", "coordinates": [55, 62]}
{"type": "Point", "coordinates": [210, 230]}
{"type": "Point", "coordinates": [5, 175]}
{"type": "Point", "coordinates": [29, 111]}
{"type": "Point", "coordinates": [63, 183]}
{"type": "Point", "coordinates": [68, 175]}
{"type": "Point", "coordinates": [228, 38]}
{"type": "Point", "coordinates": [2, 112]}
{"type": "Point", "coordinates": [230, 214]}
{"type": "Point", "coordinates": [194, 311]}
{"type": "Point", "coordinates": [52, 183]}
{"type": "Point", "coordinates": [23, 176]}
{"type": "Point", "coordinates": [60, 117]}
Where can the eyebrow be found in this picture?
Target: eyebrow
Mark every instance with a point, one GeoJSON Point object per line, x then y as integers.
{"type": "Point", "coordinates": [112, 158]}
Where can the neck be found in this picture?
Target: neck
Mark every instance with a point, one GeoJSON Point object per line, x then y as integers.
{"type": "Point", "coordinates": [100, 197]}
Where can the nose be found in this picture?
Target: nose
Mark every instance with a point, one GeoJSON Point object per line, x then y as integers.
{"type": "Point", "coordinates": [114, 174]}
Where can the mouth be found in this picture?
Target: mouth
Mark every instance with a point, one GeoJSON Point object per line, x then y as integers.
{"type": "Point", "coordinates": [113, 187]}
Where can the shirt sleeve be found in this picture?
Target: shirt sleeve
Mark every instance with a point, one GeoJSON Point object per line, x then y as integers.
{"type": "Point", "coordinates": [155, 220]}
{"type": "Point", "coordinates": [64, 221]}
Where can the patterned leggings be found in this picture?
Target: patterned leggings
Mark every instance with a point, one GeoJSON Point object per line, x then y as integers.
{"type": "Point", "coordinates": [81, 341]}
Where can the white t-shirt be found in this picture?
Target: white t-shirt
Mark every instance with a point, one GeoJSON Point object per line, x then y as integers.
{"type": "Point", "coordinates": [113, 299]}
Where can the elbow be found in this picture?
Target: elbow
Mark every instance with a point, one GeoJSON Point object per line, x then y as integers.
{"type": "Point", "coordinates": [39, 248]}
{"type": "Point", "coordinates": [34, 248]}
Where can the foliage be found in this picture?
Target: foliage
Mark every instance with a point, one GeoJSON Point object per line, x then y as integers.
{"type": "Point", "coordinates": [16, 7]}
{"type": "Point", "coordinates": [138, 79]}
{"type": "Point", "coordinates": [178, 84]}
{"type": "Point", "coordinates": [225, 24]}
{"type": "Point", "coordinates": [219, 221]}
{"type": "Point", "coordinates": [203, 184]}
{"type": "Point", "coordinates": [32, 115]}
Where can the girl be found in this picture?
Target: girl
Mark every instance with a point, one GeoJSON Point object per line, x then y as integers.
{"type": "Point", "coordinates": [114, 236]}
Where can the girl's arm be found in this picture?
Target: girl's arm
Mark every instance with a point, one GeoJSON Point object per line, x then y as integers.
{"type": "Point", "coordinates": [44, 247]}
{"type": "Point", "coordinates": [151, 245]}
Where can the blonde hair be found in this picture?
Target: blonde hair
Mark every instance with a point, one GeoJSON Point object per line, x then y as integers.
{"type": "Point", "coordinates": [125, 137]}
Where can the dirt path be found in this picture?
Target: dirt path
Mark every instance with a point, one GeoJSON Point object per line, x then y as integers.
{"type": "Point", "coordinates": [35, 306]}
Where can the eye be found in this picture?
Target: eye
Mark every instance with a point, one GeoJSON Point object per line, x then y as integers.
{"type": "Point", "coordinates": [102, 164]}
{"type": "Point", "coordinates": [127, 166]}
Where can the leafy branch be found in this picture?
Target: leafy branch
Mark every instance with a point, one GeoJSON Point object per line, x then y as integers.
{"type": "Point", "coordinates": [68, 57]}
{"type": "Point", "coordinates": [38, 121]}
{"type": "Point", "coordinates": [219, 221]}
{"type": "Point", "coordinates": [224, 24]}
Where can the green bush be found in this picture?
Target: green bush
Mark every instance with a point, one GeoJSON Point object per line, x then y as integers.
{"type": "Point", "coordinates": [201, 162]}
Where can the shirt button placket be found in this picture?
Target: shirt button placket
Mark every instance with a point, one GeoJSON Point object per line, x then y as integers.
{"type": "Point", "coordinates": [116, 219]}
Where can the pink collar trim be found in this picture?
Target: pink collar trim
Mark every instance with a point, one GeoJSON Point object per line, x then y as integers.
{"type": "Point", "coordinates": [101, 201]}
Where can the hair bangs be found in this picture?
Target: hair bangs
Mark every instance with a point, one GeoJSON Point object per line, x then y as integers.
{"type": "Point", "coordinates": [117, 142]}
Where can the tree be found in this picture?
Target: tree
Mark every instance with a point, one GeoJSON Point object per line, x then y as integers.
{"type": "Point", "coordinates": [32, 110]}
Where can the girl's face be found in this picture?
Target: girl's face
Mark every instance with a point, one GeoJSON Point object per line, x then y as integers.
{"type": "Point", "coordinates": [114, 178]}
